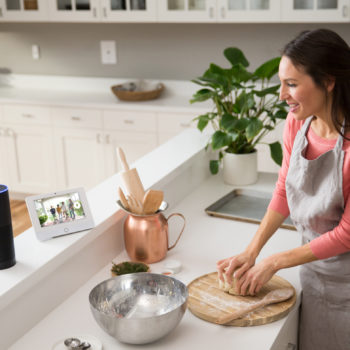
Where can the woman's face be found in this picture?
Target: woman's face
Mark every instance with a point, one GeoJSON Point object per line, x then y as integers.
{"type": "Point", "coordinates": [300, 92]}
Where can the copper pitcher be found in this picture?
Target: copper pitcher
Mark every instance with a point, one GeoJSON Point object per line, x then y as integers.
{"type": "Point", "coordinates": [146, 236]}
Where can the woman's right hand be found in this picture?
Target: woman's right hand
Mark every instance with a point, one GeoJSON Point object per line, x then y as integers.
{"type": "Point", "coordinates": [238, 264]}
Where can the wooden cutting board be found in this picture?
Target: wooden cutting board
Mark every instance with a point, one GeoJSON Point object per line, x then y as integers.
{"type": "Point", "coordinates": [208, 302]}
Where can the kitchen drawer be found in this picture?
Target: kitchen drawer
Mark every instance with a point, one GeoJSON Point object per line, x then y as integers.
{"type": "Point", "coordinates": [26, 114]}
{"type": "Point", "coordinates": [175, 122]}
{"type": "Point", "coordinates": [77, 117]}
{"type": "Point", "coordinates": [130, 121]}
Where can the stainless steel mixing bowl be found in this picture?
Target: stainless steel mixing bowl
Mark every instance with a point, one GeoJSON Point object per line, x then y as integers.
{"type": "Point", "coordinates": [139, 308]}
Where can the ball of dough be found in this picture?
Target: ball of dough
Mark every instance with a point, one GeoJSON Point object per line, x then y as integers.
{"type": "Point", "coordinates": [230, 288]}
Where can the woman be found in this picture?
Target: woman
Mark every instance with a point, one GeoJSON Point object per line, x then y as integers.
{"type": "Point", "coordinates": [313, 187]}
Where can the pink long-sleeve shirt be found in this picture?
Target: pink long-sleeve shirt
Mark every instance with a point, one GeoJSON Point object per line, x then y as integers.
{"type": "Point", "coordinates": [333, 242]}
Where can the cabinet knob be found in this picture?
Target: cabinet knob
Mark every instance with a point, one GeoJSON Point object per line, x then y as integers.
{"type": "Point", "coordinates": [345, 11]}
{"type": "Point", "coordinates": [26, 115]}
{"type": "Point", "coordinates": [211, 12]}
{"type": "Point", "coordinates": [223, 12]}
{"type": "Point", "coordinates": [75, 117]}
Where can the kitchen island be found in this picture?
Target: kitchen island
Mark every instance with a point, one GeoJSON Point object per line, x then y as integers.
{"type": "Point", "coordinates": [180, 168]}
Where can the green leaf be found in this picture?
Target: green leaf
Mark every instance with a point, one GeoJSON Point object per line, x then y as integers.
{"type": "Point", "coordinates": [220, 139]}
{"type": "Point", "coordinates": [240, 74]}
{"type": "Point", "coordinates": [244, 102]}
{"type": "Point", "coordinates": [269, 90]}
{"type": "Point", "coordinates": [202, 95]}
{"type": "Point", "coordinates": [228, 122]}
{"type": "Point", "coordinates": [236, 56]}
{"type": "Point", "coordinates": [253, 128]}
{"type": "Point", "coordinates": [276, 152]}
{"type": "Point", "coordinates": [281, 114]}
{"type": "Point", "coordinates": [202, 121]}
{"type": "Point", "coordinates": [242, 124]}
{"type": "Point", "coordinates": [268, 69]}
{"type": "Point", "coordinates": [214, 166]}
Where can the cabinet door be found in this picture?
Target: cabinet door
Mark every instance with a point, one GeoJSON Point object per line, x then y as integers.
{"type": "Point", "coordinates": [249, 11]}
{"type": "Point", "coordinates": [23, 10]}
{"type": "Point", "coordinates": [135, 145]}
{"type": "Point", "coordinates": [80, 157]}
{"type": "Point", "coordinates": [74, 10]}
{"type": "Point", "coordinates": [129, 10]}
{"type": "Point", "coordinates": [187, 11]}
{"type": "Point", "coordinates": [315, 10]}
{"type": "Point", "coordinates": [31, 160]}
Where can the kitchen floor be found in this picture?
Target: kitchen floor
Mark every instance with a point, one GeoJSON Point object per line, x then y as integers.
{"type": "Point", "coordinates": [20, 217]}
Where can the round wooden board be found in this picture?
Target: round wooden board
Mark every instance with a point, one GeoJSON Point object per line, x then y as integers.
{"type": "Point", "coordinates": [208, 302]}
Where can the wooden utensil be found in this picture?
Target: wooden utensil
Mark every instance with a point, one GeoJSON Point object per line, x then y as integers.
{"type": "Point", "coordinates": [130, 178]}
{"type": "Point", "coordinates": [208, 302]}
{"type": "Point", "coordinates": [275, 296]}
{"type": "Point", "coordinates": [152, 201]}
{"type": "Point", "coordinates": [135, 205]}
{"type": "Point", "coordinates": [123, 199]}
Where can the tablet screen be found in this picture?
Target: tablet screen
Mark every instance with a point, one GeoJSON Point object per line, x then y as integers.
{"type": "Point", "coordinates": [63, 208]}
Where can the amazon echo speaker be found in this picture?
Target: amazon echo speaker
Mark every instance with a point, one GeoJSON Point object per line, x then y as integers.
{"type": "Point", "coordinates": [7, 248]}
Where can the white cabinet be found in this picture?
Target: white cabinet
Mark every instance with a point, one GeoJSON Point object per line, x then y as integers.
{"type": "Point", "coordinates": [27, 149]}
{"type": "Point", "coordinates": [315, 10]}
{"type": "Point", "coordinates": [249, 10]}
{"type": "Point", "coordinates": [23, 10]}
{"type": "Point", "coordinates": [187, 11]}
{"type": "Point", "coordinates": [103, 10]}
{"type": "Point", "coordinates": [170, 124]}
{"type": "Point", "coordinates": [129, 10]}
{"type": "Point", "coordinates": [135, 132]}
{"type": "Point", "coordinates": [79, 148]}
{"type": "Point", "coordinates": [74, 10]}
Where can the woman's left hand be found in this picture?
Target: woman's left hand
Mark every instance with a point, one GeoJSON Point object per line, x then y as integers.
{"type": "Point", "coordinates": [253, 280]}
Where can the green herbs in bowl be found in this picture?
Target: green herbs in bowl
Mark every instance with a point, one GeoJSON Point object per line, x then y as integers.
{"type": "Point", "coordinates": [128, 267]}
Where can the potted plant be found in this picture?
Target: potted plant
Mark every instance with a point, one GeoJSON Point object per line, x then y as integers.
{"type": "Point", "coordinates": [245, 108]}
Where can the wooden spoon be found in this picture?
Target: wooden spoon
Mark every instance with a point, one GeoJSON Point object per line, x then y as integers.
{"type": "Point", "coordinates": [152, 201]}
{"type": "Point", "coordinates": [123, 199]}
{"type": "Point", "coordinates": [275, 296]}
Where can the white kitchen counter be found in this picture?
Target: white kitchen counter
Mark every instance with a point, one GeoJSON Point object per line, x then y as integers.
{"type": "Point", "coordinates": [93, 93]}
{"type": "Point", "coordinates": [189, 189]}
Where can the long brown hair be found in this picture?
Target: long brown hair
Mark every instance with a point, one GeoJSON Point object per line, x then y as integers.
{"type": "Point", "coordinates": [323, 54]}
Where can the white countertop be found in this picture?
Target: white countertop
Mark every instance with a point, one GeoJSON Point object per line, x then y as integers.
{"type": "Point", "coordinates": [93, 93]}
{"type": "Point", "coordinates": [205, 240]}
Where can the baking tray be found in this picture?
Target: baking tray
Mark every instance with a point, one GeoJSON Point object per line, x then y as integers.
{"type": "Point", "coordinates": [244, 205]}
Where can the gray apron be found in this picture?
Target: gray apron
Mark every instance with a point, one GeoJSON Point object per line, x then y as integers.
{"type": "Point", "coordinates": [315, 199]}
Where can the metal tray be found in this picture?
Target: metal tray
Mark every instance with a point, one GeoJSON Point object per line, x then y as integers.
{"type": "Point", "coordinates": [244, 205]}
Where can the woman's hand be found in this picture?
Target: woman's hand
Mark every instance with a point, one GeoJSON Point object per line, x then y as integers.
{"type": "Point", "coordinates": [253, 280]}
{"type": "Point", "coordinates": [237, 264]}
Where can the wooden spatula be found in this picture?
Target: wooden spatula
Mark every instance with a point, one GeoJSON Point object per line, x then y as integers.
{"type": "Point", "coordinates": [275, 296]}
{"type": "Point", "coordinates": [130, 178]}
{"type": "Point", "coordinates": [152, 201]}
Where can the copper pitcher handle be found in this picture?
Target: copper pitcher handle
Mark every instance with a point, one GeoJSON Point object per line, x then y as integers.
{"type": "Point", "coordinates": [183, 227]}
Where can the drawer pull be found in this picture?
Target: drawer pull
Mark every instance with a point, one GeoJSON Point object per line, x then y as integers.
{"type": "Point", "coordinates": [223, 12]}
{"type": "Point", "coordinates": [0, 12]}
{"type": "Point", "coordinates": [74, 117]}
{"type": "Point", "coordinates": [345, 11]}
{"type": "Point", "coordinates": [105, 12]}
{"type": "Point", "coordinates": [185, 125]}
{"type": "Point", "coordinates": [26, 115]}
{"type": "Point", "coordinates": [211, 12]}
{"type": "Point", "coordinates": [128, 121]}
{"type": "Point", "coordinates": [94, 12]}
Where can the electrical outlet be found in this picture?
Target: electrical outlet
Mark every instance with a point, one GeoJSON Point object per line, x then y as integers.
{"type": "Point", "coordinates": [35, 52]}
{"type": "Point", "coordinates": [108, 52]}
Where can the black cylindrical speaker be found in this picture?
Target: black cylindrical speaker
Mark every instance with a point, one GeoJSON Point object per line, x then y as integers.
{"type": "Point", "coordinates": [7, 248]}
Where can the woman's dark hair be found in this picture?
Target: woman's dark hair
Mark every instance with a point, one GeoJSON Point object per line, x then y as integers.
{"type": "Point", "coordinates": [324, 55]}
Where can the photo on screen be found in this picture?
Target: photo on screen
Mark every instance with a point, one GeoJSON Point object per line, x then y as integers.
{"type": "Point", "coordinates": [59, 209]}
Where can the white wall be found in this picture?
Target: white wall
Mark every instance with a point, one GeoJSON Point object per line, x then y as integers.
{"type": "Point", "coordinates": [157, 51]}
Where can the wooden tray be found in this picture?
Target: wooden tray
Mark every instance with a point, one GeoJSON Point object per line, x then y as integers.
{"type": "Point", "coordinates": [244, 205]}
{"type": "Point", "coordinates": [208, 302]}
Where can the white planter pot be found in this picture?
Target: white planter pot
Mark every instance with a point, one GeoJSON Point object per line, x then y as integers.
{"type": "Point", "coordinates": [240, 169]}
